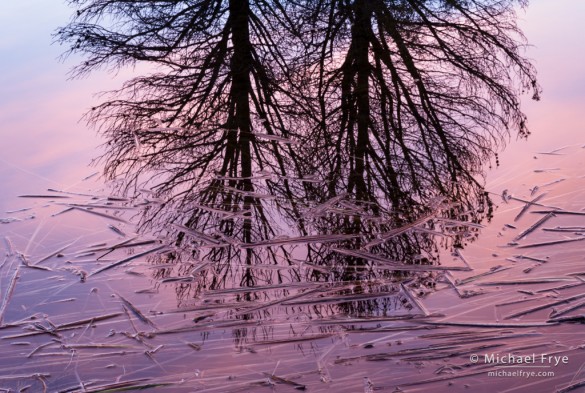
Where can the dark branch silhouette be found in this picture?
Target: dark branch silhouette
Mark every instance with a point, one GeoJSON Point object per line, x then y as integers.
{"type": "Point", "coordinates": [206, 130]}
{"type": "Point", "coordinates": [340, 124]}
{"type": "Point", "coordinates": [414, 97]}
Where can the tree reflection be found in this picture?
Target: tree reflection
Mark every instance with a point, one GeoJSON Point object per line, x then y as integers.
{"type": "Point", "coordinates": [317, 148]}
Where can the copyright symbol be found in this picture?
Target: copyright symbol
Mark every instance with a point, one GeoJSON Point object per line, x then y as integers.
{"type": "Point", "coordinates": [474, 358]}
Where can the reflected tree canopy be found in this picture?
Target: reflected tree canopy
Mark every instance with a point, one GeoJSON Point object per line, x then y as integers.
{"type": "Point", "coordinates": [309, 141]}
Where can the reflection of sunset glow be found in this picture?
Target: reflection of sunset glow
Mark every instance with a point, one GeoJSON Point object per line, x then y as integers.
{"type": "Point", "coordinates": [554, 33]}
{"type": "Point", "coordinates": [40, 109]}
{"type": "Point", "coordinates": [253, 313]}
{"type": "Point", "coordinates": [44, 143]}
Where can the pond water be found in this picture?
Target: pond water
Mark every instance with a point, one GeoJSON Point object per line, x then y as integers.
{"type": "Point", "coordinates": [87, 304]}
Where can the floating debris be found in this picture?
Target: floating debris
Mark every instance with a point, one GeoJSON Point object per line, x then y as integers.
{"type": "Point", "coordinates": [543, 280]}
{"type": "Point", "coordinates": [562, 212]}
{"type": "Point", "coordinates": [117, 230]}
{"type": "Point", "coordinates": [553, 182]}
{"type": "Point", "coordinates": [491, 325]}
{"type": "Point", "coordinates": [137, 312]}
{"type": "Point", "coordinates": [300, 240]}
{"type": "Point", "coordinates": [9, 220]}
{"type": "Point", "coordinates": [527, 206]}
{"type": "Point", "coordinates": [572, 386]}
{"type": "Point", "coordinates": [90, 176]}
{"type": "Point", "coordinates": [493, 270]}
{"type": "Point", "coordinates": [126, 260]}
{"type": "Point", "coordinates": [544, 306]}
{"type": "Point", "coordinates": [565, 229]}
{"type": "Point", "coordinates": [44, 196]}
{"type": "Point", "coordinates": [54, 253]}
{"type": "Point", "coordinates": [104, 215]}
{"type": "Point", "coordinates": [396, 265]}
{"type": "Point", "coordinates": [8, 294]}
{"type": "Point", "coordinates": [534, 226]}
{"type": "Point", "coordinates": [85, 321]}
{"type": "Point", "coordinates": [552, 243]}
{"type": "Point", "coordinates": [557, 313]}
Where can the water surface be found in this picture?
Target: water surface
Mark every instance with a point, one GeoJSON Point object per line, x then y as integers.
{"type": "Point", "coordinates": [99, 304]}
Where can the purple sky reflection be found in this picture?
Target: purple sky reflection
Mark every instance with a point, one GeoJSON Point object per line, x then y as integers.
{"type": "Point", "coordinates": [45, 145]}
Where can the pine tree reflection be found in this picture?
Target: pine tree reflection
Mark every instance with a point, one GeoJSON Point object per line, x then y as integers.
{"type": "Point", "coordinates": [309, 157]}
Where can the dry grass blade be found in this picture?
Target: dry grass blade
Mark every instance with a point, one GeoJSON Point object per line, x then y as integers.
{"type": "Point", "coordinates": [519, 301]}
{"type": "Point", "coordinates": [566, 286]}
{"type": "Point", "coordinates": [398, 231]}
{"type": "Point", "coordinates": [238, 324]}
{"type": "Point", "coordinates": [572, 386]}
{"type": "Point", "coordinates": [322, 208]}
{"type": "Point", "coordinates": [137, 312]}
{"type": "Point", "coordinates": [228, 291]}
{"type": "Point", "coordinates": [534, 226]}
{"type": "Point", "coordinates": [116, 230]}
{"type": "Point", "coordinates": [545, 306]}
{"type": "Point", "coordinates": [443, 379]}
{"type": "Point", "coordinates": [87, 320]}
{"type": "Point", "coordinates": [550, 183]}
{"type": "Point", "coordinates": [9, 246]}
{"type": "Point", "coordinates": [567, 310]}
{"type": "Point", "coordinates": [450, 354]}
{"type": "Point", "coordinates": [97, 346]}
{"type": "Point", "coordinates": [199, 235]}
{"type": "Point", "coordinates": [406, 328]}
{"type": "Point", "coordinates": [552, 243]}
{"type": "Point", "coordinates": [44, 196]}
{"type": "Point", "coordinates": [531, 258]}
{"type": "Point", "coordinates": [449, 221]}
{"type": "Point", "coordinates": [396, 265]}
{"type": "Point", "coordinates": [136, 384]}
{"type": "Point", "coordinates": [70, 193]}
{"type": "Point", "coordinates": [527, 206]}
{"type": "Point", "coordinates": [126, 260]}
{"type": "Point", "coordinates": [105, 247]}
{"type": "Point", "coordinates": [494, 270]}
{"type": "Point", "coordinates": [565, 229]}
{"type": "Point", "coordinates": [294, 339]}
{"type": "Point", "coordinates": [278, 301]}
{"type": "Point", "coordinates": [8, 294]}
{"type": "Point", "coordinates": [24, 376]}
{"type": "Point", "coordinates": [339, 299]}
{"type": "Point", "coordinates": [104, 215]}
{"type": "Point", "coordinates": [569, 319]}
{"type": "Point", "coordinates": [285, 381]}
{"type": "Point", "coordinates": [575, 231]}
{"type": "Point", "coordinates": [414, 300]}
{"type": "Point", "coordinates": [301, 240]}
{"type": "Point", "coordinates": [563, 212]}
{"type": "Point", "coordinates": [460, 256]}
{"type": "Point", "coordinates": [62, 212]}
{"type": "Point", "coordinates": [51, 255]}
{"type": "Point", "coordinates": [533, 203]}
{"type": "Point", "coordinates": [40, 347]}
{"type": "Point", "coordinates": [554, 152]}
{"type": "Point", "coordinates": [543, 280]}
{"type": "Point", "coordinates": [491, 325]}
{"type": "Point", "coordinates": [430, 352]}
{"type": "Point", "coordinates": [90, 206]}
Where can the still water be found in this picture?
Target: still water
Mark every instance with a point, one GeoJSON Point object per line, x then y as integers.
{"type": "Point", "coordinates": [89, 305]}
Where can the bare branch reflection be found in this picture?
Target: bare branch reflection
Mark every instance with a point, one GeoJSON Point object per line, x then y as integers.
{"type": "Point", "coordinates": [306, 160]}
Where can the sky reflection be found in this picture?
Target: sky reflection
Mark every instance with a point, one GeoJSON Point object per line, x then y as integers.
{"type": "Point", "coordinates": [45, 145]}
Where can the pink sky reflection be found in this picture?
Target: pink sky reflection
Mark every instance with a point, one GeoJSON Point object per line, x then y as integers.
{"type": "Point", "coordinates": [45, 145]}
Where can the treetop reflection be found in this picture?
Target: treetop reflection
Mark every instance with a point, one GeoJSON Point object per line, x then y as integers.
{"type": "Point", "coordinates": [314, 141]}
